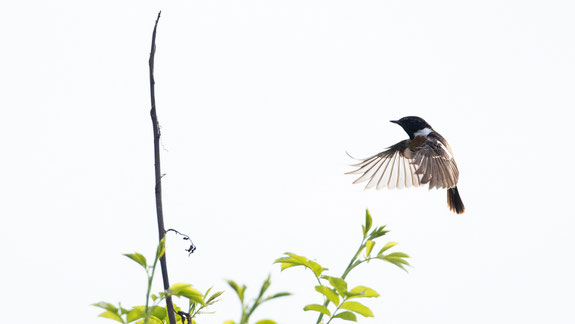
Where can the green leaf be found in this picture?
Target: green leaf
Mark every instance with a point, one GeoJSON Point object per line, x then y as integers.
{"type": "Point", "coordinates": [159, 312]}
{"type": "Point", "coordinates": [112, 315]}
{"type": "Point", "coordinates": [386, 247]}
{"type": "Point", "coordinates": [106, 306]}
{"type": "Point", "coordinates": [229, 322]}
{"type": "Point", "coordinates": [287, 265]}
{"type": "Point", "coordinates": [397, 255]}
{"type": "Point", "coordinates": [348, 316]}
{"type": "Point", "coordinates": [278, 295]}
{"type": "Point", "coordinates": [192, 307]}
{"type": "Point", "coordinates": [239, 290]}
{"type": "Point", "coordinates": [177, 287]}
{"type": "Point", "coordinates": [339, 284]}
{"type": "Point", "coordinates": [368, 222]}
{"type": "Point", "coordinates": [368, 247]}
{"type": "Point", "coordinates": [212, 298]}
{"type": "Point", "coordinates": [154, 320]}
{"type": "Point", "coordinates": [161, 248]}
{"type": "Point", "coordinates": [396, 258]}
{"type": "Point", "coordinates": [357, 308]}
{"type": "Point", "coordinates": [362, 291]}
{"type": "Point", "coordinates": [293, 260]}
{"type": "Point", "coordinates": [377, 233]}
{"type": "Point", "coordinates": [140, 259]}
{"type": "Point", "coordinates": [318, 308]}
{"type": "Point", "coordinates": [136, 313]}
{"type": "Point", "coordinates": [185, 290]}
{"type": "Point", "coordinates": [397, 263]}
{"type": "Point", "coordinates": [266, 321]}
{"type": "Point", "coordinates": [193, 295]}
{"type": "Point", "coordinates": [207, 292]}
{"type": "Point", "coordinates": [265, 285]}
{"type": "Point", "coordinates": [330, 294]}
{"type": "Point", "coordinates": [315, 267]}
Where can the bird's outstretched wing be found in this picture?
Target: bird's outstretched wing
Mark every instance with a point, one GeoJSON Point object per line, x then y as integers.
{"type": "Point", "coordinates": [404, 166]}
{"type": "Point", "coordinates": [435, 163]}
{"type": "Point", "coordinates": [390, 168]}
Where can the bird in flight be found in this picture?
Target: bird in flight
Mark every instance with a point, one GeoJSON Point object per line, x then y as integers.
{"type": "Point", "coordinates": [424, 158]}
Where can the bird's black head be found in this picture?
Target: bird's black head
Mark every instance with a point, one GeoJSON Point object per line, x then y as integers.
{"type": "Point", "coordinates": [412, 124]}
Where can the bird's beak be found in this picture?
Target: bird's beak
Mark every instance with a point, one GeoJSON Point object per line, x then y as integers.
{"type": "Point", "coordinates": [395, 121]}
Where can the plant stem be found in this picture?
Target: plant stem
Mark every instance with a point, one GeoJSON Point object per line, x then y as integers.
{"type": "Point", "coordinates": [243, 319]}
{"type": "Point", "coordinates": [350, 265]}
{"type": "Point", "coordinates": [150, 279]}
{"type": "Point", "coordinates": [158, 174]}
{"type": "Point", "coordinates": [253, 308]}
{"type": "Point", "coordinates": [345, 273]}
{"type": "Point", "coordinates": [335, 311]}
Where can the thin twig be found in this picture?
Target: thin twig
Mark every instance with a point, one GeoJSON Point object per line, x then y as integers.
{"type": "Point", "coordinates": [158, 174]}
{"type": "Point", "coordinates": [192, 247]}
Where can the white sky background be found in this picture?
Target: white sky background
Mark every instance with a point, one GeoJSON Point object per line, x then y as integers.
{"type": "Point", "coordinates": [258, 102]}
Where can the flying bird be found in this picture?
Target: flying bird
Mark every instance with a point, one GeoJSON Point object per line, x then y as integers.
{"type": "Point", "coordinates": [424, 158]}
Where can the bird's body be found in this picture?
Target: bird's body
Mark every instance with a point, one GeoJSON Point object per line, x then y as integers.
{"type": "Point", "coordinates": [423, 158]}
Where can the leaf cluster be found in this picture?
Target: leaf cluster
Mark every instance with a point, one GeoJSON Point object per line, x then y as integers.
{"type": "Point", "coordinates": [340, 302]}
{"type": "Point", "coordinates": [154, 313]}
{"type": "Point", "coordinates": [248, 307]}
{"type": "Point", "coordinates": [334, 290]}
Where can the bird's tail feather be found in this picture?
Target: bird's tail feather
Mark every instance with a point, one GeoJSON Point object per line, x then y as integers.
{"type": "Point", "coordinates": [454, 201]}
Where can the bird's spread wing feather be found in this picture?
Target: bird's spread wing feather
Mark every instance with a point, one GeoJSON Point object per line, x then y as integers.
{"type": "Point", "coordinates": [435, 163]}
{"type": "Point", "coordinates": [404, 166]}
{"type": "Point", "coordinates": [390, 168]}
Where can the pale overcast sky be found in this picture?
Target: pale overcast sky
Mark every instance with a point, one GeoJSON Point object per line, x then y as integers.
{"type": "Point", "coordinates": [258, 103]}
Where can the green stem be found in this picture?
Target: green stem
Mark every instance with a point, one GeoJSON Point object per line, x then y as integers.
{"type": "Point", "coordinates": [243, 318]}
{"type": "Point", "coordinates": [318, 281]}
{"type": "Point", "coordinates": [150, 279]}
{"type": "Point", "coordinates": [197, 311]}
{"type": "Point", "coordinates": [335, 311]}
{"type": "Point", "coordinates": [255, 305]}
{"type": "Point", "coordinates": [350, 266]}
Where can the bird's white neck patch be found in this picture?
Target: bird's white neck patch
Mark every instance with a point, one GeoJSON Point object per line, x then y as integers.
{"type": "Point", "coordinates": [423, 132]}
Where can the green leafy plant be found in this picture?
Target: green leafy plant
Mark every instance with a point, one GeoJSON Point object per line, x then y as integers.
{"type": "Point", "coordinates": [249, 307]}
{"type": "Point", "coordinates": [154, 313]}
{"type": "Point", "coordinates": [340, 302]}
{"type": "Point", "coordinates": [334, 290]}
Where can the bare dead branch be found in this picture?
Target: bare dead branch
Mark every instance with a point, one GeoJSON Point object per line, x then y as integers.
{"type": "Point", "coordinates": [158, 173]}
